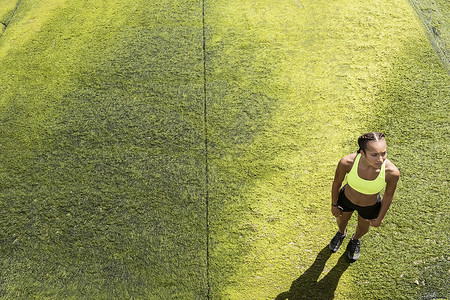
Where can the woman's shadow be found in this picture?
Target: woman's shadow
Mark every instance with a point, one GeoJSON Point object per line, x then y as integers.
{"type": "Point", "coordinates": [307, 286]}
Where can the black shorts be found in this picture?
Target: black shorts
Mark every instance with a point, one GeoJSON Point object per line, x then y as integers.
{"type": "Point", "coordinates": [366, 212]}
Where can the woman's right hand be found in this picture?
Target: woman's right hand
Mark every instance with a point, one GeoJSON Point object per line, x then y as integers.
{"type": "Point", "coordinates": [336, 211]}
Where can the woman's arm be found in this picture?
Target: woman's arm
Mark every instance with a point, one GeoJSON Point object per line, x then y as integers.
{"type": "Point", "coordinates": [339, 176]}
{"type": "Point", "coordinates": [392, 178]}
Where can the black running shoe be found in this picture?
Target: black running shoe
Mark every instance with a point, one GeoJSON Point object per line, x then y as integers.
{"type": "Point", "coordinates": [354, 249]}
{"type": "Point", "coordinates": [337, 241]}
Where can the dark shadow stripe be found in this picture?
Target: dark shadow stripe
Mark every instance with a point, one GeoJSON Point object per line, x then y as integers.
{"type": "Point", "coordinates": [5, 25]}
{"type": "Point", "coordinates": [433, 35]}
{"type": "Point", "coordinates": [205, 114]}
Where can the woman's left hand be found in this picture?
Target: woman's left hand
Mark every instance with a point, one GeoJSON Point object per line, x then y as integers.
{"type": "Point", "coordinates": [375, 222]}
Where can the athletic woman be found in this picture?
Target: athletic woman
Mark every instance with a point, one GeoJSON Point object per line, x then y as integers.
{"type": "Point", "coordinates": [368, 173]}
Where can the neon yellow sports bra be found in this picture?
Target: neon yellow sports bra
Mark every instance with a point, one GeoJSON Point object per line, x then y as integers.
{"type": "Point", "coordinates": [368, 187]}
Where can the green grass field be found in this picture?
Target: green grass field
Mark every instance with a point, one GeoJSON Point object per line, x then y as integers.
{"type": "Point", "coordinates": [434, 16]}
{"type": "Point", "coordinates": [185, 149]}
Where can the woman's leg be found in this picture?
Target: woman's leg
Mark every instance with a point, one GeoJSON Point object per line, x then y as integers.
{"type": "Point", "coordinates": [362, 228]}
{"type": "Point", "coordinates": [342, 221]}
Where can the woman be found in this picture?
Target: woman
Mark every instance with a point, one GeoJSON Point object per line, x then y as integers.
{"type": "Point", "coordinates": [368, 173]}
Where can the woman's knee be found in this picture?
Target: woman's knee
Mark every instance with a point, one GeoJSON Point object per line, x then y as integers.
{"type": "Point", "coordinates": [345, 217]}
{"type": "Point", "coordinates": [363, 222]}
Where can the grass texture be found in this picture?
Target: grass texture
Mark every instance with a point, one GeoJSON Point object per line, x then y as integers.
{"type": "Point", "coordinates": [292, 85]}
{"type": "Point", "coordinates": [108, 189]}
{"type": "Point", "coordinates": [435, 17]}
{"type": "Point", "coordinates": [102, 148]}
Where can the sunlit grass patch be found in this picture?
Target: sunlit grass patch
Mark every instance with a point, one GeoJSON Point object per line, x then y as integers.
{"type": "Point", "coordinates": [290, 89]}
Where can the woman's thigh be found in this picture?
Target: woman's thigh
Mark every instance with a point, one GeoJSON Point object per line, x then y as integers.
{"type": "Point", "coordinates": [363, 223]}
{"type": "Point", "coordinates": [346, 215]}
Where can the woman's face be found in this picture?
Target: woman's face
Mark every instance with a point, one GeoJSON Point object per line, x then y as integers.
{"type": "Point", "coordinates": [375, 153]}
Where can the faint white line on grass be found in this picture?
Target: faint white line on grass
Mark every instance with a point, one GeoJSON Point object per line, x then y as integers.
{"type": "Point", "coordinates": [298, 3]}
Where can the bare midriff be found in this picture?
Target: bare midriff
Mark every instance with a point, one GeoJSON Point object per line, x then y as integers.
{"type": "Point", "coordinates": [358, 198]}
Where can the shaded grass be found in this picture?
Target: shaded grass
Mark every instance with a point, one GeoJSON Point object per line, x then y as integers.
{"type": "Point", "coordinates": [6, 10]}
{"type": "Point", "coordinates": [102, 151]}
{"type": "Point", "coordinates": [435, 16]}
{"type": "Point", "coordinates": [416, 119]}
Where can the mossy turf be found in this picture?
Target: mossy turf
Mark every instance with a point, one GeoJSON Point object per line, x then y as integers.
{"type": "Point", "coordinates": [102, 144]}
{"type": "Point", "coordinates": [107, 188]}
{"type": "Point", "coordinates": [291, 86]}
{"type": "Point", "coordinates": [435, 17]}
